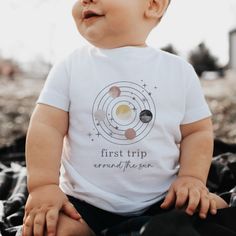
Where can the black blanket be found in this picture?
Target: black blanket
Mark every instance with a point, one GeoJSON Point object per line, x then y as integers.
{"type": "Point", "coordinates": [221, 180]}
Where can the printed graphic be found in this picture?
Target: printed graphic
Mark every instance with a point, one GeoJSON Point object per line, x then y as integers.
{"type": "Point", "coordinates": [124, 113]}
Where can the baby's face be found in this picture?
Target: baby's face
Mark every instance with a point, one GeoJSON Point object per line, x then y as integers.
{"type": "Point", "coordinates": [110, 23]}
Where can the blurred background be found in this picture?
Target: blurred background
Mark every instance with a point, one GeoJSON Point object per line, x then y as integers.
{"type": "Point", "coordinates": [34, 34]}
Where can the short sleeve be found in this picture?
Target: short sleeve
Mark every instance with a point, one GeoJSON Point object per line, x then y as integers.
{"type": "Point", "coordinates": [196, 107]}
{"type": "Point", "coordinates": [56, 88]}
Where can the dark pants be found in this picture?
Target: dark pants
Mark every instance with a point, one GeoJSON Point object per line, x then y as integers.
{"type": "Point", "coordinates": [110, 223]}
{"type": "Point", "coordinates": [157, 222]}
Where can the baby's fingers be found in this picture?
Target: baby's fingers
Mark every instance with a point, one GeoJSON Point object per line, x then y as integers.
{"type": "Point", "coordinates": [181, 197]}
{"type": "Point", "coordinates": [213, 208]}
{"type": "Point", "coordinates": [39, 223]}
{"type": "Point", "coordinates": [169, 199]}
{"type": "Point", "coordinates": [51, 221]}
{"type": "Point", "coordinates": [204, 205]}
{"type": "Point", "coordinates": [69, 209]}
{"type": "Point", "coordinates": [193, 202]}
{"type": "Point", "coordinates": [28, 225]}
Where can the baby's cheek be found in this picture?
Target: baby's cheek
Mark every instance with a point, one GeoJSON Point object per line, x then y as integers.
{"type": "Point", "coordinates": [77, 10]}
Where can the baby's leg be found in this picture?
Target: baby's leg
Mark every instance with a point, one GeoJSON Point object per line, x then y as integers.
{"type": "Point", "coordinates": [220, 202]}
{"type": "Point", "coordinates": [69, 227]}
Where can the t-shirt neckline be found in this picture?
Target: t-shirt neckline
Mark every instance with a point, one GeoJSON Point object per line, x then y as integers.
{"type": "Point", "coordinates": [137, 50]}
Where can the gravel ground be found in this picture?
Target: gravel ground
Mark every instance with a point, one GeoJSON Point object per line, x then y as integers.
{"type": "Point", "coordinates": [18, 97]}
{"type": "Point", "coordinates": [17, 100]}
{"type": "Point", "coordinates": [221, 97]}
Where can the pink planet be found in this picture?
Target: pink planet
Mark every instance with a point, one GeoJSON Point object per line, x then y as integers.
{"type": "Point", "coordinates": [130, 134]}
{"type": "Point", "coordinates": [114, 92]}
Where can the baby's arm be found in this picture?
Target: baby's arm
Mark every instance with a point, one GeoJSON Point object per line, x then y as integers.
{"type": "Point", "coordinates": [189, 188]}
{"type": "Point", "coordinates": [45, 136]}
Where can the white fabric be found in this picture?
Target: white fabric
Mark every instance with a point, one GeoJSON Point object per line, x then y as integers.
{"type": "Point", "coordinates": [125, 107]}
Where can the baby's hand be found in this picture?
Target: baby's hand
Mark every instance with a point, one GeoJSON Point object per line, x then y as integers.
{"type": "Point", "coordinates": [42, 210]}
{"type": "Point", "coordinates": [190, 192]}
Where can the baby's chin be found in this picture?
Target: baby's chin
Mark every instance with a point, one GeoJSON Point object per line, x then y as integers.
{"type": "Point", "coordinates": [107, 43]}
{"type": "Point", "coordinates": [92, 35]}
{"type": "Point", "coordinates": [103, 38]}
{"type": "Point", "coordinates": [102, 42]}
{"type": "Point", "coordinates": [96, 41]}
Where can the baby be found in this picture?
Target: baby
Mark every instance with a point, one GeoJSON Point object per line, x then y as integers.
{"type": "Point", "coordinates": [120, 129]}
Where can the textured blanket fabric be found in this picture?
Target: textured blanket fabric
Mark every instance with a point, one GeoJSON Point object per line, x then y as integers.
{"type": "Point", "coordinates": [180, 224]}
{"type": "Point", "coordinates": [221, 180]}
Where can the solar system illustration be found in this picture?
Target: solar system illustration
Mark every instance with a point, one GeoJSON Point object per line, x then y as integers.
{"type": "Point", "coordinates": [124, 112]}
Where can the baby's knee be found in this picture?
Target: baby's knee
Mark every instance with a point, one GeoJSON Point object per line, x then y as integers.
{"type": "Point", "coordinates": [220, 202]}
{"type": "Point", "coordinates": [70, 227]}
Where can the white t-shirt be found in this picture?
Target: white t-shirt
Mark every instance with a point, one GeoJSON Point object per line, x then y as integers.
{"type": "Point", "coordinates": [125, 108]}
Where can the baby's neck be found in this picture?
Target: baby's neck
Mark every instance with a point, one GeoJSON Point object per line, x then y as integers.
{"type": "Point", "coordinates": [123, 45]}
{"type": "Point", "coordinates": [117, 42]}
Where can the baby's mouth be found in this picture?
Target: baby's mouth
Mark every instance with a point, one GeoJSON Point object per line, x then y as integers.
{"type": "Point", "coordinates": [90, 14]}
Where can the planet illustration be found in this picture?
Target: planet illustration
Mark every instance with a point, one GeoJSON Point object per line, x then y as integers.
{"type": "Point", "coordinates": [123, 112]}
{"type": "Point", "coordinates": [130, 134]}
{"type": "Point", "coordinates": [100, 115]}
{"type": "Point", "coordinates": [145, 116]}
{"type": "Point", "coordinates": [114, 91]}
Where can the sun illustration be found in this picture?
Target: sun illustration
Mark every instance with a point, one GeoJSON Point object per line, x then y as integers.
{"type": "Point", "coordinates": [123, 112]}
